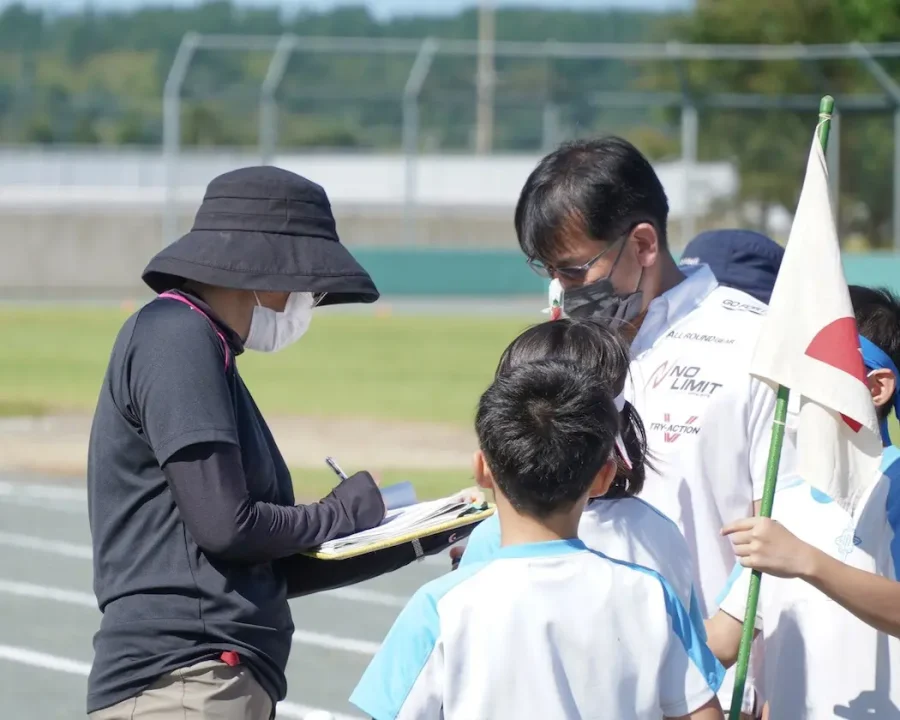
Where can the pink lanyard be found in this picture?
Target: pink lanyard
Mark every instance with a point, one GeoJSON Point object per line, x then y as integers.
{"type": "Point", "coordinates": [179, 298]}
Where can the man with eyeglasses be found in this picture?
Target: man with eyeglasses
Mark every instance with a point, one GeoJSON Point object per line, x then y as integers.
{"type": "Point", "coordinates": [593, 216]}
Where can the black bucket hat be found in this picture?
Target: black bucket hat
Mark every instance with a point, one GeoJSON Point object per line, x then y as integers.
{"type": "Point", "coordinates": [263, 228]}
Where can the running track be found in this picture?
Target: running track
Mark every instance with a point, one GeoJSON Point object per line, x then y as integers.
{"type": "Point", "coordinates": [48, 614]}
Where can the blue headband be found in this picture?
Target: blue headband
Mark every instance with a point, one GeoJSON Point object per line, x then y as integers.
{"type": "Point", "coordinates": [874, 358]}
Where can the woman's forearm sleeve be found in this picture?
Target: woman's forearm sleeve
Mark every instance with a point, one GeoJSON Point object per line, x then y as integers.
{"type": "Point", "coordinates": [210, 490]}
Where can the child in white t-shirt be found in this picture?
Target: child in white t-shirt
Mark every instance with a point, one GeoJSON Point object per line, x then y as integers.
{"type": "Point", "coordinates": [548, 628]}
{"type": "Point", "coordinates": [831, 582]}
{"type": "Point", "coordinates": [618, 524]}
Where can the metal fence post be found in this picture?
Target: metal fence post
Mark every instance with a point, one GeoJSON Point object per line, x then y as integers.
{"type": "Point", "coordinates": [281, 47]}
{"type": "Point", "coordinates": [892, 90]}
{"type": "Point", "coordinates": [411, 91]}
{"type": "Point", "coordinates": [172, 131]}
{"type": "Point", "coordinates": [690, 130]}
{"type": "Point", "coordinates": [268, 107]}
{"type": "Point", "coordinates": [689, 136]}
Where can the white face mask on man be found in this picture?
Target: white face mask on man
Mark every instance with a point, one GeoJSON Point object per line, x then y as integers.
{"type": "Point", "coordinates": [271, 331]}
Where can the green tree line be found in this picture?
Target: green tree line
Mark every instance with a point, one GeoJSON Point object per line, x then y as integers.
{"type": "Point", "coordinates": [97, 78]}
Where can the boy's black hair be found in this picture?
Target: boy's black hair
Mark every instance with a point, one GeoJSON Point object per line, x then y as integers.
{"type": "Point", "coordinates": [605, 353]}
{"type": "Point", "coordinates": [877, 312]}
{"type": "Point", "coordinates": [546, 429]}
{"type": "Point", "coordinates": [602, 187]}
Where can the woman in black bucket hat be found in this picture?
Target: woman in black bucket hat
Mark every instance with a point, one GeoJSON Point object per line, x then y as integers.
{"type": "Point", "coordinates": [191, 505]}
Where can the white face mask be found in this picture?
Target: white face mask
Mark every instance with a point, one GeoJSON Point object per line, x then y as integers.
{"type": "Point", "coordinates": [271, 331]}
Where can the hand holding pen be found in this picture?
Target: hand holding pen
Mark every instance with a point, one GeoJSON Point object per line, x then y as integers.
{"type": "Point", "coordinates": [394, 496]}
{"type": "Point", "coordinates": [332, 463]}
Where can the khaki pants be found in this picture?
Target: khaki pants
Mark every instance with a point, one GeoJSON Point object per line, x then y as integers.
{"type": "Point", "coordinates": [208, 690]}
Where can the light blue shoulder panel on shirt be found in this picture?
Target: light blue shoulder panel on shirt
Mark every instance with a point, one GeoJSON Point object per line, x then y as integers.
{"type": "Point", "coordinates": [696, 615]}
{"type": "Point", "coordinates": [729, 583]}
{"type": "Point", "coordinates": [483, 543]}
{"type": "Point", "coordinates": [694, 610]}
{"type": "Point", "coordinates": [392, 674]}
{"type": "Point", "coordinates": [685, 628]}
{"type": "Point", "coordinates": [890, 466]}
{"type": "Point", "coordinates": [787, 483]}
{"type": "Point", "coordinates": [390, 677]}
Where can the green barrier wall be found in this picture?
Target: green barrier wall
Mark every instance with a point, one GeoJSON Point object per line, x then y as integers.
{"type": "Point", "coordinates": [455, 273]}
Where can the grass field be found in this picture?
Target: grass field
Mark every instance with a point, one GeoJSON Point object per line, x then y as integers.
{"type": "Point", "coordinates": [395, 367]}
{"type": "Point", "coordinates": [429, 484]}
{"type": "Point", "coordinates": [420, 369]}
{"type": "Point", "coordinates": [402, 367]}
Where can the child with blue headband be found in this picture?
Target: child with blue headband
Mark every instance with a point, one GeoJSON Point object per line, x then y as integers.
{"type": "Point", "coordinates": [825, 562]}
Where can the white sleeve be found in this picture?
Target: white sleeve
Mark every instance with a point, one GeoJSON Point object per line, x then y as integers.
{"type": "Point", "coordinates": [690, 674]}
{"type": "Point", "coordinates": [733, 598]}
{"type": "Point", "coordinates": [682, 575]}
{"type": "Point", "coordinates": [733, 601]}
{"type": "Point", "coordinates": [761, 417]}
{"type": "Point", "coordinates": [404, 679]}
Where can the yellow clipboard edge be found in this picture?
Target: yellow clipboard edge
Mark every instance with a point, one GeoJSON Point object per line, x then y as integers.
{"type": "Point", "coordinates": [470, 519]}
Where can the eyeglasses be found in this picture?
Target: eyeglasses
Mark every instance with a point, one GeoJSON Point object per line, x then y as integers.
{"type": "Point", "coordinates": [575, 272]}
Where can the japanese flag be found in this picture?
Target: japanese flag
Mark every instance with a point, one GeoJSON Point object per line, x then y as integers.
{"type": "Point", "coordinates": [555, 297]}
{"type": "Point", "coordinates": [809, 343]}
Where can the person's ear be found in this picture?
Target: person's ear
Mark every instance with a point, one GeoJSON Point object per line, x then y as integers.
{"type": "Point", "coordinates": [604, 478]}
{"type": "Point", "coordinates": [645, 240]}
{"type": "Point", "coordinates": [483, 477]}
{"type": "Point", "coordinates": [882, 386]}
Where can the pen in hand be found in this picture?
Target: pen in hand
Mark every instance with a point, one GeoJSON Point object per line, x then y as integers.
{"type": "Point", "coordinates": [330, 461]}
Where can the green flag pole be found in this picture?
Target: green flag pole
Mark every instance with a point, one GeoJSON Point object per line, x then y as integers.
{"type": "Point", "coordinates": [826, 108]}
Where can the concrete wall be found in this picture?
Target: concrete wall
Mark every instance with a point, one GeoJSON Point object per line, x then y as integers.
{"type": "Point", "coordinates": [55, 255]}
{"type": "Point", "coordinates": [102, 253]}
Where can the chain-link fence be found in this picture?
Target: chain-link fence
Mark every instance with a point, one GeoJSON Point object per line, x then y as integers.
{"type": "Point", "coordinates": [676, 100]}
{"type": "Point", "coordinates": [426, 143]}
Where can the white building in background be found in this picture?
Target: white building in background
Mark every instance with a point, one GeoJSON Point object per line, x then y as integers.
{"type": "Point", "coordinates": [66, 178]}
{"type": "Point", "coordinates": [84, 222]}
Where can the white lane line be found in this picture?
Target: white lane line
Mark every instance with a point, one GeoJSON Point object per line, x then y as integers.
{"type": "Point", "coordinates": [373, 597]}
{"type": "Point", "coordinates": [86, 600]}
{"type": "Point", "coordinates": [331, 642]}
{"type": "Point", "coordinates": [57, 506]}
{"type": "Point", "coordinates": [43, 492]}
{"type": "Point", "coordinates": [293, 710]}
{"type": "Point", "coordinates": [42, 592]}
{"type": "Point", "coordinates": [70, 500]}
{"type": "Point", "coordinates": [74, 501]}
{"type": "Point", "coordinates": [84, 552]}
{"type": "Point", "coordinates": [24, 656]}
{"type": "Point", "coordinates": [54, 547]}
{"type": "Point", "coordinates": [33, 658]}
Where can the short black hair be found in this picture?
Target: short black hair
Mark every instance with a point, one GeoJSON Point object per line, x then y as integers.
{"type": "Point", "coordinates": [608, 355]}
{"type": "Point", "coordinates": [877, 312]}
{"type": "Point", "coordinates": [546, 429]}
{"type": "Point", "coordinates": [604, 187]}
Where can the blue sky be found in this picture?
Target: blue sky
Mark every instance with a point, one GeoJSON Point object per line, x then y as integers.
{"type": "Point", "coordinates": [379, 7]}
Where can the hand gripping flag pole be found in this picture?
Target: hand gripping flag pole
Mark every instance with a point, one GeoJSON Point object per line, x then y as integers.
{"type": "Point", "coordinates": [826, 108]}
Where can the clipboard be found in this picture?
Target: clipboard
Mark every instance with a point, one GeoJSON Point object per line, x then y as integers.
{"type": "Point", "coordinates": [438, 537]}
